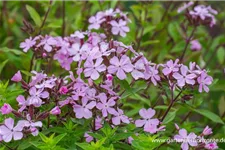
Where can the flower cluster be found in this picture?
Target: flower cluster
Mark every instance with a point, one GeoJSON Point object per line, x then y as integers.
{"type": "Point", "coordinates": [193, 140]}
{"type": "Point", "coordinates": [91, 89]}
{"type": "Point", "coordinates": [200, 14]}
{"type": "Point", "coordinates": [111, 21]}
{"type": "Point", "coordinates": [181, 75]}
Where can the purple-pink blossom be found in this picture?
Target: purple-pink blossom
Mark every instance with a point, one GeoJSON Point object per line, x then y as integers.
{"type": "Point", "coordinates": [170, 67]}
{"type": "Point", "coordinates": [106, 106]}
{"type": "Point", "coordinates": [207, 131]}
{"type": "Point", "coordinates": [79, 52]}
{"type": "Point", "coordinates": [27, 44]}
{"type": "Point", "coordinates": [120, 66]}
{"type": "Point", "coordinates": [195, 45]}
{"type": "Point", "coordinates": [17, 77]}
{"type": "Point", "coordinates": [63, 90]}
{"type": "Point", "coordinates": [186, 139]}
{"type": "Point", "coordinates": [9, 132]}
{"type": "Point", "coordinates": [150, 125]}
{"type": "Point", "coordinates": [119, 27]}
{"type": "Point", "coordinates": [55, 111]}
{"type": "Point", "coordinates": [211, 146]}
{"type": "Point", "coordinates": [21, 102]}
{"type": "Point", "coordinates": [120, 117]}
{"type": "Point", "coordinates": [93, 69]}
{"type": "Point", "coordinates": [184, 77]}
{"type": "Point", "coordinates": [84, 110]}
{"type": "Point", "coordinates": [36, 96]}
{"type": "Point", "coordinates": [6, 109]}
{"type": "Point", "coordinates": [204, 81]}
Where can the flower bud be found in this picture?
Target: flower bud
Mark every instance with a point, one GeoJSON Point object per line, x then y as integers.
{"type": "Point", "coordinates": [177, 127]}
{"type": "Point", "coordinates": [109, 77]}
{"type": "Point", "coordinates": [63, 90]}
{"type": "Point", "coordinates": [6, 109]}
{"type": "Point", "coordinates": [17, 77]}
{"type": "Point", "coordinates": [207, 131]}
{"type": "Point", "coordinates": [55, 111]}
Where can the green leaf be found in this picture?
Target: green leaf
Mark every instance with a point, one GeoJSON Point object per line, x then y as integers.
{"type": "Point", "coordinates": [221, 55]}
{"type": "Point", "coordinates": [2, 65]}
{"type": "Point", "coordinates": [15, 51]}
{"type": "Point", "coordinates": [34, 15]}
{"type": "Point", "coordinates": [212, 116]}
{"type": "Point", "coordinates": [121, 136]}
{"type": "Point", "coordinates": [173, 30]}
{"type": "Point", "coordinates": [179, 46]}
{"type": "Point", "coordinates": [43, 137]}
{"type": "Point", "coordinates": [59, 138]}
{"type": "Point", "coordinates": [208, 114]}
{"type": "Point", "coordinates": [85, 146]}
{"type": "Point", "coordinates": [170, 117]}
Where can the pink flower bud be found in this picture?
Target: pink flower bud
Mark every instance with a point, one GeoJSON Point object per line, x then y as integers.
{"type": "Point", "coordinates": [63, 90]}
{"type": "Point", "coordinates": [109, 77]}
{"type": "Point", "coordinates": [6, 109]}
{"type": "Point", "coordinates": [44, 55]}
{"type": "Point", "coordinates": [55, 111]}
{"type": "Point", "coordinates": [90, 82]}
{"type": "Point", "coordinates": [195, 45]}
{"type": "Point", "coordinates": [17, 77]}
{"type": "Point", "coordinates": [211, 146]}
{"type": "Point", "coordinates": [177, 127]}
{"type": "Point", "coordinates": [207, 131]}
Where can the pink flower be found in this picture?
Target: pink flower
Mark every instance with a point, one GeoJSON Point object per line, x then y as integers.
{"type": "Point", "coordinates": [55, 111]}
{"type": "Point", "coordinates": [98, 123]}
{"type": "Point", "coordinates": [151, 72]}
{"type": "Point", "coordinates": [88, 137]}
{"type": "Point", "coordinates": [36, 95]}
{"type": "Point", "coordinates": [79, 52]}
{"type": "Point", "coordinates": [138, 71]}
{"type": "Point", "coordinates": [120, 66]}
{"type": "Point", "coordinates": [204, 13]}
{"type": "Point", "coordinates": [184, 77]}
{"type": "Point", "coordinates": [195, 45]}
{"type": "Point", "coordinates": [8, 132]}
{"type": "Point", "coordinates": [27, 44]}
{"type": "Point", "coordinates": [17, 77]}
{"type": "Point", "coordinates": [37, 77]}
{"type": "Point", "coordinates": [95, 21]}
{"type": "Point", "coordinates": [48, 42]}
{"type": "Point", "coordinates": [150, 125]}
{"type": "Point", "coordinates": [185, 6]}
{"type": "Point", "coordinates": [93, 69]}
{"type": "Point", "coordinates": [78, 34]}
{"type": "Point", "coordinates": [6, 109]}
{"type": "Point", "coordinates": [31, 125]}
{"type": "Point", "coordinates": [49, 83]}
{"type": "Point", "coordinates": [186, 139]}
{"type": "Point", "coordinates": [84, 110]}
{"type": "Point", "coordinates": [79, 90]}
{"type": "Point", "coordinates": [207, 131]}
{"type": "Point", "coordinates": [119, 27]}
{"type": "Point", "coordinates": [204, 80]}
{"type": "Point", "coordinates": [63, 90]}
{"type": "Point", "coordinates": [170, 67]}
{"type": "Point", "coordinates": [109, 77]}
{"type": "Point", "coordinates": [21, 102]}
{"type": "Point", "coordinates": [211, 146]}
{"type": "Point", "coordinates": [106, 106]}
{"type": "Point", "coordinates": [120, 117]}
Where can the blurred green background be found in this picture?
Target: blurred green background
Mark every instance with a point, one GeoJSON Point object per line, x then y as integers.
{"type": "Point", "coordinates": [156, 30]}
